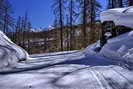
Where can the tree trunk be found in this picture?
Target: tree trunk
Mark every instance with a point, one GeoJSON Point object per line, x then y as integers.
{"type": "Point", "coordinates": [61, 25]}
{"type": "Point", "coordinates": [84, 23]}
{"type": "Point", "coordinates": [5, 22]}
{"type": "Point", "coordinates": [71, 26]}
{"type": "Point", "coordinates": [120, 3]}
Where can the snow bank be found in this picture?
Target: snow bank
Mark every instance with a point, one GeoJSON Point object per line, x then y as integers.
{"type": "Point", "coordinates": [119, 48]}
{"type": "Point", "coordinates": [10, 53]}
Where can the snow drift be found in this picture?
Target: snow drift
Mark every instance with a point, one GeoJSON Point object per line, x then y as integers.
{"type": "Point", "coordinates": [10, 53]}
{"type": "Point", "coordinates": [119, 48]}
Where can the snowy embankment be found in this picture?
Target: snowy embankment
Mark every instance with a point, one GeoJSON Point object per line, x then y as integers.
{"type": "Point", "coordinates": [120, 49]}
{"type": "Point", "coordinates": [10, 53]}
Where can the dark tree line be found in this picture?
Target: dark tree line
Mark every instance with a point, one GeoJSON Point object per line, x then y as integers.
{"type": "Point", "coordinates": [72, 12]}
{"type": "Point", "coordinates": [59, 15]}
{"type": "Point", "coordinates": [22, 30]}
{"type": "Point", "coordinates": [16, 30]}
{"type": "Point", "coordinates": [69, 13]}
{"type": "Point", "coordinates": [8, 24]}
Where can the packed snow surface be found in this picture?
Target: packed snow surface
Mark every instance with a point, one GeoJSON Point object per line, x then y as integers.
{"type": "Point", "coordinates": [84, 69]}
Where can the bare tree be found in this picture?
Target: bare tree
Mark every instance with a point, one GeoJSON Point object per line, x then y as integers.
{"type": "Point", "coordinates": [22, 30]}
{"type": "Point", "coordinates": [29, 26]}
{"type": "Point", "coordinates": [84, 4]}
{"type": "Point", "coordinates": [120, 3]}
{"type": "Point", "coordinates": [61, 23]}
{"type": "Point", "coordinates": [89, 9]}
{"type": "Point", "coordinates": [71, 21]}
{"type": "Point", "coordinates": [59, 14]}
{"type": "Point", "coordinates": [68, 33]}
{"type": "Point", "coordinates": [17, 31]}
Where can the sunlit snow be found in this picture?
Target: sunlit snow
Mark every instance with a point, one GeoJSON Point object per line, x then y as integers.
{"type": "Point", "coordinates": [79, 69]}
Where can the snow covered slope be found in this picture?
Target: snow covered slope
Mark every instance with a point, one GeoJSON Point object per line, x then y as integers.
{"type": "Point", "coordinates": [10, 53]}
{"type": "Point", "coordinates": [120, 48]}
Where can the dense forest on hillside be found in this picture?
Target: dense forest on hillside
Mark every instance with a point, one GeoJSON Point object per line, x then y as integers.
{"type": "Point", "coordinates": [76, 25]}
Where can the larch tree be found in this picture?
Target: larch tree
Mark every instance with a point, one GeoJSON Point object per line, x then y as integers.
{"type": "Point", "coordinates": [59, 8]}
{"type": "Point", "coordinates": [29, 26]}
{"type": "Point", "coordinates": [84, 15]}
{"type": "Point", "coordinates": [17, 31]}
{"type": "Point", "coordinates": [71, 21]}
{"type": "Point", "coordinates": [22, 30]}
{"type": "Point", "coordinates": [94, 13]}
{"type": "Point", "coordinates": [88, 12]}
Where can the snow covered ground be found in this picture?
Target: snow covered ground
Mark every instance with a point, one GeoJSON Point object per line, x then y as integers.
{"type": "Point", "coordinates": [85, 69]}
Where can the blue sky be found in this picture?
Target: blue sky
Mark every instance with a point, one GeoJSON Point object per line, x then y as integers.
{"type": "Point", "coordinates": [39, 11]}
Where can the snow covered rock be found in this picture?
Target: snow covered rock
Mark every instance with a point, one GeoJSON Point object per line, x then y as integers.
{"type": "Point", "coordinates": [10, 53]}
{"type": "Point", "coordinates": [120, 16]}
